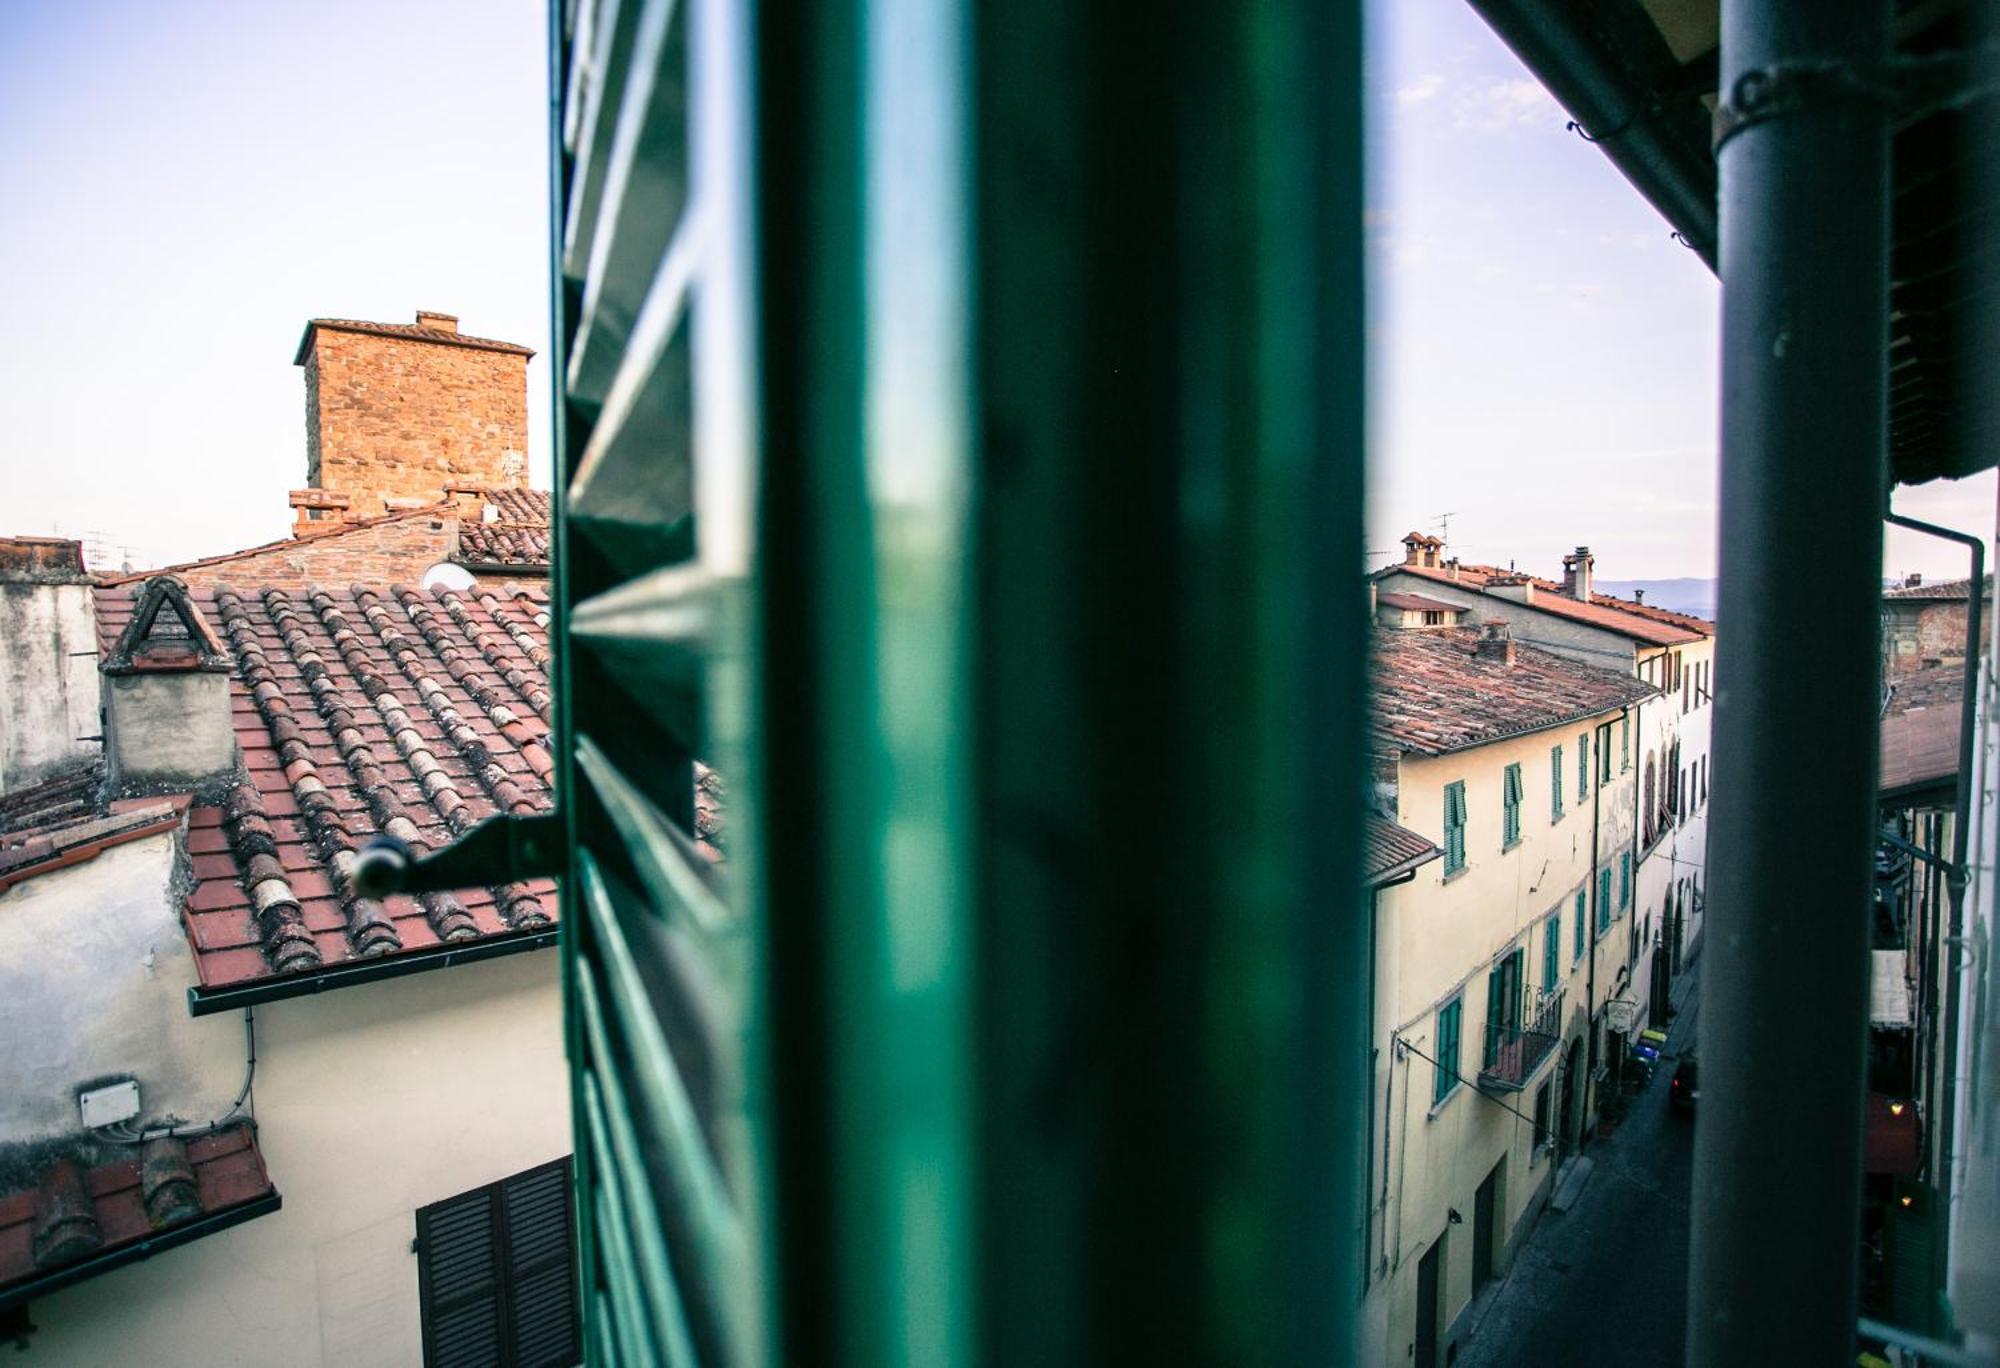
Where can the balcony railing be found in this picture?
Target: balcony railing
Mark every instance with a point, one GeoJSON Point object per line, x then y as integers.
{"type": "Point", "coordinates": [1514, 1051]}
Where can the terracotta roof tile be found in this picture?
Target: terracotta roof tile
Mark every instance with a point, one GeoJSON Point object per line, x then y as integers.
{"type": "Point", "coordinates": [1944, 591]}
{"type": "Point", "coordinates": [1919, 729]}
{"type": "Point", "coordinates": [1435, 694]}
{"type": "Point", "coordinates": [409, 330]}
{"type": "Point", "coordinates": [1388, 849]}
{"type": "Point", "coordinates": [1640, 621]}
{"type": "Point", "coordinates": [74, 1213]}
{"type": "Point", "coordinates": [518, 536]}
{"type": "Point", "coordinates": [1416, 603]}
{"type": "Point", "coordinates": [360, 711]}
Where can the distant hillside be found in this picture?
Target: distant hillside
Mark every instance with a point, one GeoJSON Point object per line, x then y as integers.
{"type": "Point", "coordinates": [1695, 596]}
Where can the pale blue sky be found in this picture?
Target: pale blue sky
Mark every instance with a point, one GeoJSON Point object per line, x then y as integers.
{"type": "Point", "coordinates": [185, 182]}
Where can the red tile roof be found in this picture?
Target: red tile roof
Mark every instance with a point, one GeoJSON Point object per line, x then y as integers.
{"type": "Point", "coordinates": [359, 711]}
{"type": "Point", "coordinates": [1920, 730]}
{"type": "Point", "coordinates": [1640, 621]}
{"type": "Point", "coordinates": [1388, 850]}
{"type": "Point", "coordinates": [1944, 591]}
{"type": "Point", "coordinates": [517, 538]}
{"type": "Point", "coordinates": [1416, 603]}
{"type": "Point", "coordinates": [408, 330]}
{"type": "Point", "coordinates": [67, 797]}
{"type": "Point", "coordinates": [1435, 694]}
{"type": "Point", "coordinates": [73, 1217]}
{"type": "Point", "coordinates": [26, 853]}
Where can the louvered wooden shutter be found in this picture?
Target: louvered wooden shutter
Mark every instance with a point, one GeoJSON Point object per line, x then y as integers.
{"type": "Point", "coordinates": [497, 1276]}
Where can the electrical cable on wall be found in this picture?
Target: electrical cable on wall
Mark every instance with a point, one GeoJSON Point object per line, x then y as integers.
{"type": "Point", "coordinates": [122, 1133]}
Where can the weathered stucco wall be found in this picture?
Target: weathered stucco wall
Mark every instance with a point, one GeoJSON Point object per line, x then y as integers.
{"type": "Point", "coordinates": [48, 681]}
{"type": "Point", "coordinates": [371, 1101]}
{"type": "Point", "coordinates": [94, 972]}
{"type": "Point", "coordinates": [166, 729]}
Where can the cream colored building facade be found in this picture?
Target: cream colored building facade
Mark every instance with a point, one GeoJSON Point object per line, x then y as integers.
{"type": "Point", "coordinates": [1445, 1124]}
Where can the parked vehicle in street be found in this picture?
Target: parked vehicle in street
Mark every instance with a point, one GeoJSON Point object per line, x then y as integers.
{"type": "Point", "coordinates": [1686, 1089]}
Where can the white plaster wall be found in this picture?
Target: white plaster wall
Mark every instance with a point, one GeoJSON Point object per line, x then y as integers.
{"type": "Point", "coordinates": [48, 681]}
{"type": "Point", "coordinates": [163, 727]}
{"type": "Point", "coordinates": [1437, 937]}
{"type": "Point", "coordinates": [1682, 852]}
{"type": "Point", "coordinates": [372, 1101]}
{"type": "Point", "coordinates": [94, 972]}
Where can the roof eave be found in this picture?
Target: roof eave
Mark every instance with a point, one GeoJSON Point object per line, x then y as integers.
{"type": "Point", "coordinates": [202, 1000]}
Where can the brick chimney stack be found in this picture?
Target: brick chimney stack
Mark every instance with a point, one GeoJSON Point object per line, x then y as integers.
{"type": "Point", "coordinates": [1496, 643]}
{"type": "Point", "coordinates": [1422, 551]}
{"type": "Point", "coordinates": [396, 413]}
{"type": "Point", "coordinates": [1577, 567]}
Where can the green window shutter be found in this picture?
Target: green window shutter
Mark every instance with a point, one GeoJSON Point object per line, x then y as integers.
{"type": "Point", "coordinates": [1511, 811]}
{"type": "Point", "coordinates": [1555, 782]}
{"type": "Point", "coordinates": [1447, 1050]}
{"type": "Point", "coordinates": [1624, 744]}
{"type": "Point", "coordinates": [1582, 766]}
{"type": "Point", "coordinates": [1603, 899]}
{"type": "Point", "coordinates": [1582, 921]}
{"type": "Point", "coordinates": [1624, 880]}
{"type": "Point", "coordinates": [1552, 951]}
{"type": "Point", "coordinates": [1454, 827]}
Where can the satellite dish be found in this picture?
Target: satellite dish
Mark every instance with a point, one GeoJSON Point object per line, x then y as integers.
{"type": "Point", "coordinates": [445, 575]}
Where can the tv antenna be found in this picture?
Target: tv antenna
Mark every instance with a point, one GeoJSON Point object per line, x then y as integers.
{"type": "Point", "coordinates": [1443, 525]}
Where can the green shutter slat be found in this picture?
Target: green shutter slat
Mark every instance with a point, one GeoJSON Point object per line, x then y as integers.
{"type": "Point", "coordinates": [720, 1266]}
{"type": "Point", "coordinates": [673, 872]}
{"type": "Point", "coordinates": [637, 1343]}
{"type": "Point", "coordinates": [599, 60]}
{"type": "Point", "coordinates": [616, 1161]}
{"type": "Point", "coordinates": [645, 188]}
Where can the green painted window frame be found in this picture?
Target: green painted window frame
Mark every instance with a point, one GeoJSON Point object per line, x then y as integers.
{"type": "Point", "coordinates": [1454, 828]}
{"type": "Point", "coordinates": [1624, 745]}
{"type": "Point", "coordinates": [1624, 879]}
{"type": "Point", "coordinates": [1552, 950]}
{"type": "Point", "coordinates": [1582, 916]}
{"type": "Point", "coordinates": [1582, 766]}
{"type": "Point", "coordinates": [1450, 1024]}
{"type": "Point", "coordinates": [1603, 900]}
{"type": "Point", "coordinates": [1555, 784]}
{"type": "Point", "coordinates": [1510, 809]}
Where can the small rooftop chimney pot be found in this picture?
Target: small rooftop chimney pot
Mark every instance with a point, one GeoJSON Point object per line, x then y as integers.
{"type": "Point", "coordinates": [1577, 567]}
{"type": "Point", "coordinates": [437, 322]}
{"type": "Point", "coordinates": [1639, 596]}
{"type": "Point", "coordinates": [1496, 643]}
{"type": "Point", "coordinates": [1912, 580]}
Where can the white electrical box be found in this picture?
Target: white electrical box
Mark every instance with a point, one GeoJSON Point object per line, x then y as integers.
{"type": "Point", "coordinates": [109, 1105]}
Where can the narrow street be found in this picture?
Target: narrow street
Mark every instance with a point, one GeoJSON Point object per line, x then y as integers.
{"type": "Point", "coordinates": [1604, 1284]}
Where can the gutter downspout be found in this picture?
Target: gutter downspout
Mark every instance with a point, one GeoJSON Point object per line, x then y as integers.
{"type": "Point", "coordinates": [1961, 835]}
{"type": "Point", "coordinates": [1590, 927]}
{"type": "Point", "coordinates": [1555, 44]}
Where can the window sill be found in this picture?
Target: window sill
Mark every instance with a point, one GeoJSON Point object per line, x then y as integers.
{"type": "Point", "coordinates": [1444, 1102]}
{"type": "Point", "coordinates": [1451, 875]}
{"type": "Point", "coordinates": [1514, 844]}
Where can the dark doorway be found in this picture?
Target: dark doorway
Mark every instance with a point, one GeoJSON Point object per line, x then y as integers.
{"type": "Point", "coordinates": [1484, 1227]}
{"type": "Point", "coordinates": [1429, 1269]}
{"type": "Point", "coordinates": [1662, 991]}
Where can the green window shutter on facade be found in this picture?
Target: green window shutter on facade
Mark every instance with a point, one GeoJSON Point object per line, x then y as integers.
{"type": "Point", "coordinates": [1447, 1049]}
{"type": "Point", "coordinates": [1555, 782]}
{"type": "Point", "coordinates": [1582, 766]}
{"type": "Point", "coordinates": [1582, 924]}
{"type": "Point", "coordinates": [1603, 899]}
{"type": "Point", "coordinates": [1552, 951]}
{"type": "Point", "coordinates": [1624, 880]}
{"type": "Point", "coordinates": [1454, 827]}
{"type": "Point", "coordinates": [1624, 744]}
{"type": "Point", "coordinates": [1511, 811]}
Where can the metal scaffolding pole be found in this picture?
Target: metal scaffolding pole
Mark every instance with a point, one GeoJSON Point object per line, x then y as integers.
{"type": "Point", "coordinates": [1804, 156]}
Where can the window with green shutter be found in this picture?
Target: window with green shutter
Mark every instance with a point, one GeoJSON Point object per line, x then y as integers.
{"type": "Point", "coordinates": [1603, 900]}
{"type": "Point", "coordinates": [1582, 921]}
{"type": "Point", "coordinates": [1624, 880]}
{"type": "Point", "coordinates": [1555, 783]}
{"type": "Point", "coordinates": [1624, 744]}
{"type": "Point", "coordinates": [1582, 766]}
{"type": "Point", "coordinates": [1447, 1050]}
{"type": "Point", "coordinates": [1454, 827]}
{"type": "Point", "coordinates": [1552, 951]}
{"type": "Point", "coordinates": [1510, 812]}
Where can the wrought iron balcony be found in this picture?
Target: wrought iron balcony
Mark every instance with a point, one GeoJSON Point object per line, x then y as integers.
{"type": "Point", "coordinates": [1515, 1050]}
